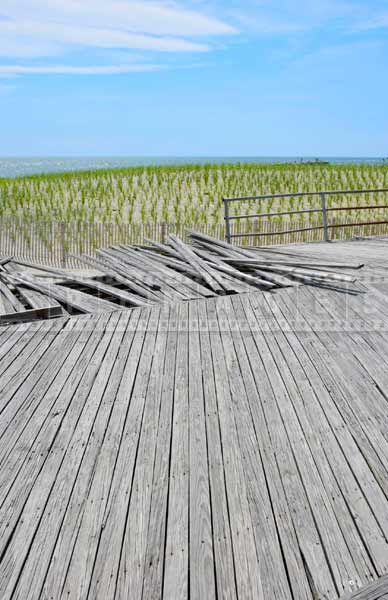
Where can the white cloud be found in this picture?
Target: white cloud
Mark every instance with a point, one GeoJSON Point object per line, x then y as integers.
{"type": "Point", "coordinates": [11, 70]}
{"type": "Point", "coordinates": [56, 35]}
{"type": "Point", "coordinates": [266, 24]}
{"type": "Point", "coordinates": [155, 18]}
{"type": "Point", "coordinates": [37, 29]}
{"type": "Point", "coordinates": [100, 31]}
{"type": "Point", "coordinates": [18, 47]}
{"type": "Point", "coordinates": [290, 16]}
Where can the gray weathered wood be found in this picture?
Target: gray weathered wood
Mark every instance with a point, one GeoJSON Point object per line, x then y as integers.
{"type": "Point", "coordinates": [374, 591]}
{"type": "Point", "coordinates": [231, 447]}
{"type": "Point", "coordinates": [176, 583]}
{"type": "Point", "coordinates": [33, 314]}
{"type": "Point", "coordinates": [78, 300]}
{"type": "Point", "coordinates": [197, 264]}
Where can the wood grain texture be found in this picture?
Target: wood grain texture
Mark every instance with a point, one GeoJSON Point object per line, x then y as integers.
{"type": "Point", "coordinates": [232, 447]}
{"type": "Point", "coordinates": [377, 590]}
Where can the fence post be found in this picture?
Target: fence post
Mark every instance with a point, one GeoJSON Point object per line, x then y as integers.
{"type": "Point", "coordinates": [62, 246]}
{"type": "Point", "coordinates": [324, 217]}
{"type": "Point", "coordinates": [164, 233]}
{"type": "Point", "coordinates": [227, 222]}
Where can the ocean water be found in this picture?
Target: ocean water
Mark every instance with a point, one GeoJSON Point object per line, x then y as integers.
{"type": "Point", "coordinates": [19, 166]}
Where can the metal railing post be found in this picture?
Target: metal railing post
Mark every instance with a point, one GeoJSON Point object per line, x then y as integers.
{"type": "Point", "coordinates": [227, 222]}
{"type": "Point", "coordinates": [324, 217]}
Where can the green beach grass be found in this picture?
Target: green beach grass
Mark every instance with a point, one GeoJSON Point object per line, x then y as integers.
{"type": "Point", "coordinates": [188, 195]}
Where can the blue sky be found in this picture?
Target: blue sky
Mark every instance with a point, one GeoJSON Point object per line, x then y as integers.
{"type": "Point", "coordinates": [254, 78]}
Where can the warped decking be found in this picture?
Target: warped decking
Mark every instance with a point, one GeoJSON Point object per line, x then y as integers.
{"type": "Point", "coordinates": [233, 447]}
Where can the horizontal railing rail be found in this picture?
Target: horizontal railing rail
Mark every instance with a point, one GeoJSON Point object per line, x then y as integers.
{"type": "Point", "coordinates": [323, 209]}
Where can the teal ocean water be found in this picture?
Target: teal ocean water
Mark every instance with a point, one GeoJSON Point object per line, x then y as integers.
{"type": "Point", "coordinates": [19, 166]}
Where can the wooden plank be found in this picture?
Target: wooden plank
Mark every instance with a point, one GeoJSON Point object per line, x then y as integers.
{"type": "Point", "coordinates": [114, 271]}
{"type": "Point", "coordinates": [348, 400]}
{"type": "Point", "coordinates": [260, 262]}
{"type": "Point", "coordinates": [137, 274]}
{"type": "Point", "coordinates": [283, 538]}
{"type": "Point", "coordinates": [302, 272]}
{"type": "Point", "coordinates": [85, 512]}
{"type": "Point", "coordinates": [231, 252]}
{"type": "Point", "coordinates": [117, 294]}
{"type": "Point", "coordinates": [202, 580]}
{"type": "Point", "coordinates": [83, 302]}
{"type": "Point", "coordinates": [24, 405]}
{"type": "Point", "coordinates": [157, 522]}
{"type": "Point", "coordinates": [176, 280]}
{"type": "Point", "coordinates": [99, 568]}
{"type": "Point", "coordinates": [164, 253]}
{"type": "Point", "coordinates": [122, 276]}
{"type": "Point", "coordinates": [364, 401]}
{"type": "Point", "coordinates": [218, 248]}
{"type": "Point", "coordinates": [346, 574]}
{"type": "Point", "coordinates": [344, 492]}
{"type": "Point", "coordinates": [228, 283]}
{"type": "Point", "coordinates": [176, 582]}
{"type": "Point", "coordinates": [36, 299]}
{"type": "Point", "coordinates": [136, 258]}
{"type": "Point", "coordinates": [32, 500]}
{"type": "Point", "coordinates": [164, 248]}
{"type": "Point", "coordinates": [254, 438]}
{"type": "Point", "coordinates": [96, 285]}
{"type": "Point", "coordinates": [221, 266]}
{"type": "Point", "coordinates": [309, 535]}
{"type": "Point", "coordinates": [239, 286]}
{"type": "Point", "coordinates": [197, 264]}
{"type": "Point", "coordinates": [222, 539]}
{"type": "Point", "coordinates": [215, 242]}
{"type": "Point", "coordinates": [33, 314]}
{"type": "Point", "coordinates": [18, 337]}
{"type": "Point", "coordinates": [78, 466]}
{"type": "Point", "coordinates": [374, 591]}
{"type": "Point", "coordinates": [259, 275]}
{"type": "Point", "coordinates": [5, 334]}
{"type": "Point", "coordinates": [9, 301]}
{"type": "Point", "coordinates": [177, 267]}
{"type": "Point", "coordinates": [13, 301]}
{"type": "Point", "coordinates": [5, 260]}
{"type": "Point", "coordinates": [271, 566]}
{"type": "Point", "coordinates": [32, 375]}
{"type": "Point", "coordinates": [14, 370]}
{"type": "Point", "coordinates": [365, 503]}
{"type": "Point", "coordinates": [248, 581]}
{"type": "Point", "coordinates": [5, 305]}
{"type": "Point", "coordinates": [134, 548]}
{"type": "Point", "coordinates": [41, 270]}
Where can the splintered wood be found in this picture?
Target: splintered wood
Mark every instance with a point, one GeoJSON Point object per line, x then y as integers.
{"type": "Point", "coordinates": [131, 276]}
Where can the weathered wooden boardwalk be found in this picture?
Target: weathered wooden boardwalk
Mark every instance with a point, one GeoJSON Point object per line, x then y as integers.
{"type": "Point", "coordinates": [234, 447]}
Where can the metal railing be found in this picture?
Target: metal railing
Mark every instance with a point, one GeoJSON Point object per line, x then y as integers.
{"type": "Point", "coordinates": [323, 209]}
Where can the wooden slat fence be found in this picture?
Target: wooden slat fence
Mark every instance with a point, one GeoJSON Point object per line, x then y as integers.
{"type": "Point", "coordinates": [49, 243]}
